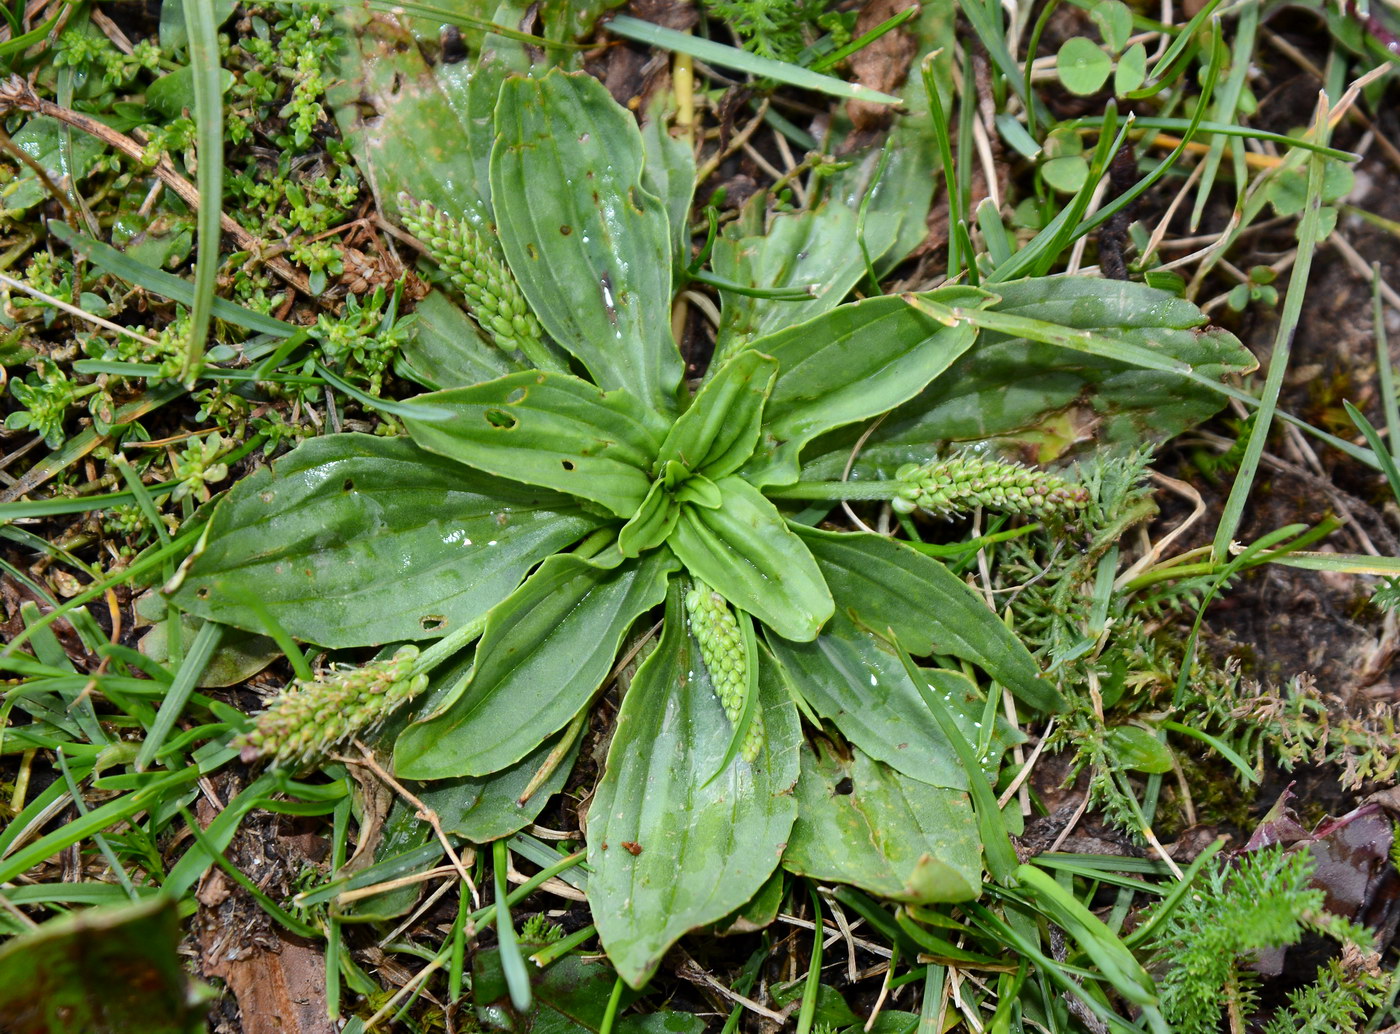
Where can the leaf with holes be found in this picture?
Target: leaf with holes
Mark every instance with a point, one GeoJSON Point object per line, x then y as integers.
{"type": "Point", "coordinates": [863, 823]}
{"type": "Point", "coordinates": [1046, 399]}
{"type": "Point", "coordinates": [700, 847]}
{"type": "Point", "coordinates": [549, 429]}
{"type": "Point", "coordinates": [590, 247]}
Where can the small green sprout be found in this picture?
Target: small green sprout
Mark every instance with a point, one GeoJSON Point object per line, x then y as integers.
{"type": "Point", "coordinates": [198, 466]}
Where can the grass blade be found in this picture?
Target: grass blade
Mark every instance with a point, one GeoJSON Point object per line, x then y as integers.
{"type": "Point", "coordinates": [741, 60]}
{"type": "Point", "coordinates": [814, 969]}
{"type": "Point", "coordinates": [1283, 345]}
{"type": "Point", "coordinates": [206, 641]}
{"type": "Point", "coordinates": [168, 285]}
{"type": "Point", "coordinates": [201, 25]}
{"type": "Point", "coordinates": [512, 962]}
{"type": "Point", "coordinates": [996, 843]}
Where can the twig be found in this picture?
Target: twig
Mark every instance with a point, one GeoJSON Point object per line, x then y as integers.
{"type": "Point", "coordinates": [424, 812]}
{"type": "Point", "coordinates": [73, 310]}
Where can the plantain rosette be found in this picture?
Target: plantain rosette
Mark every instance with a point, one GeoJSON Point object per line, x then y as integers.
{"type": "Point", "coordinates": [554, 512]}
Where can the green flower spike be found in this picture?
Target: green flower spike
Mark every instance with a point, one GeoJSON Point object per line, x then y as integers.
{"type": "Point", "coordinates": [307, 719]}
{"type": "Point", "coordinates": [492, 294]}
{"type": "Point", "coordinates": [960, 483]}
{"type": "Point", "coordinates": [722, 648]}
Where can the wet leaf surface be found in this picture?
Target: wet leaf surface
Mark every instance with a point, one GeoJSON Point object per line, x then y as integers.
{"type": "Point", "coordinates": [706, 846]}
{"type": "Point", "coordinates": [355, 540]}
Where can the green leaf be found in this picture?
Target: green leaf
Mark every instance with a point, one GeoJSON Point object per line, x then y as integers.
{"type": "Point", "coordinates": [482, 809]}
{"type": "Point", "coordinates": [448, 349]}
{"type": "Point", "coordinates": [863, 823]}
{"type": "Point", "coordinates": [589, 246]}
{"type": "Point", "coordinates": [1115, 22]}
{"type": "Point", "coordinates": [854, 362]}
{"type": "Point", "coordinates": [806, 249]}
{"type": "Point", "coordinates": [852, 679]}
{"type": "Point", "coordinates": [720, 429]}
{"type": "Point", "coordinates": [571, 997]}
{"type": "Point", "coordinates": [173, 93]}
{"type": "Point", "coordinates": [1044, 399]}
{"type": "Point", "coordinates": [239, 657]}
{"type": "Point", "coordinates": [1083, 67]}
{"type": "Point", "coordinates": [884, 584]}
{"type": "Point", "coordinates": [668, 171]}
{"type": "Point", "coordinates": [105, 970]}
{"type": "Point", "coordinates": [407, 123]}
{"type": "Point", "coordinates": [702, 849]}
{"type": "Point", "coordinates": [548, 429]}
{"type": "Point", "coordinates": [651, 525]}
{"type": "Point", "coordinates": [403, 830]}
{"type": "Point", "coordinates": [355, 540]}
{"type": "Point", "coordinates": [40, 137]}
{"type": "Point", "coordinates": [139, 273]}
{"type": "Point", "coordinates": [1067, 174]}
{"type": "Point", "coordinates": [745, 551]}
{"type": "Point", "coordinates": [545, 650]}
{"type": "Point", "coordinates": [1134, 747]}
{"type": "Point", "coordinates": [1131, 69]}
{"type": "Point", "coordinates": [732, 57]}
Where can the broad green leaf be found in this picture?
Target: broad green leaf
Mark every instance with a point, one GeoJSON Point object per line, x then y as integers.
{"type": "Point", "coordinates": [105, 970]}
{"type": "Point", "coordinates": [1114, 20]}
{"type": "Point", "coordinates": [448, 350]}
{"type": "Point", "coordinates": [173, 93]}
{"type": "Point", "coordinates": [1067, 174]}
{"type": "Point", "coordinates": [885, 585]}
{"type": "Point", "coordinates": [1131, 70]}
{"type": "Point", "coordinates": [1050, 398]}
{"type": "Point", "coordinates": [482, 809]}
{"type": "Point", "coordinates": [544, 652]}
{"type": "Point", "coordinates": [403, 830]}
{"type": "Point", "coordinates": [651, 524]}
{"type": "Point", "coordinates": [570, 997]}
{"type": "Point", "coordinates": [357, 540]}
{"type": "Point", "coordinates": [807, 249]}
{"type": "Point", "coordinates": [41, 139]}
{"type": "Point", "coordinates": [548, 429]}
{"type": "Point", "coordinates": [479, 82]}
{"type": "Point", "coordinates": [589, 246]}
{"type": "Point", "coordinates": [746, 552]}
{"type": "Point", "coordinates": [406, 122]}
{"type": "Point", "coordinates": [240, 655]}
{"type": "Point", "coordinates": [863, 823]}
{"type": "Point", "coordinates": [854, 681]}
{"type": "Point", "coordinates": [668, 171]}
{"type": "Point", "coordinates": [697, 850]}
{"type": "Point", "coordinates": [854, 362]}
{"type": "Point", "coordinates": [720, 429]}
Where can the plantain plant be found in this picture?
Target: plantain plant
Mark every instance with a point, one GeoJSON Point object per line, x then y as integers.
{"type": "Point", "coordinates": [538, 514]}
